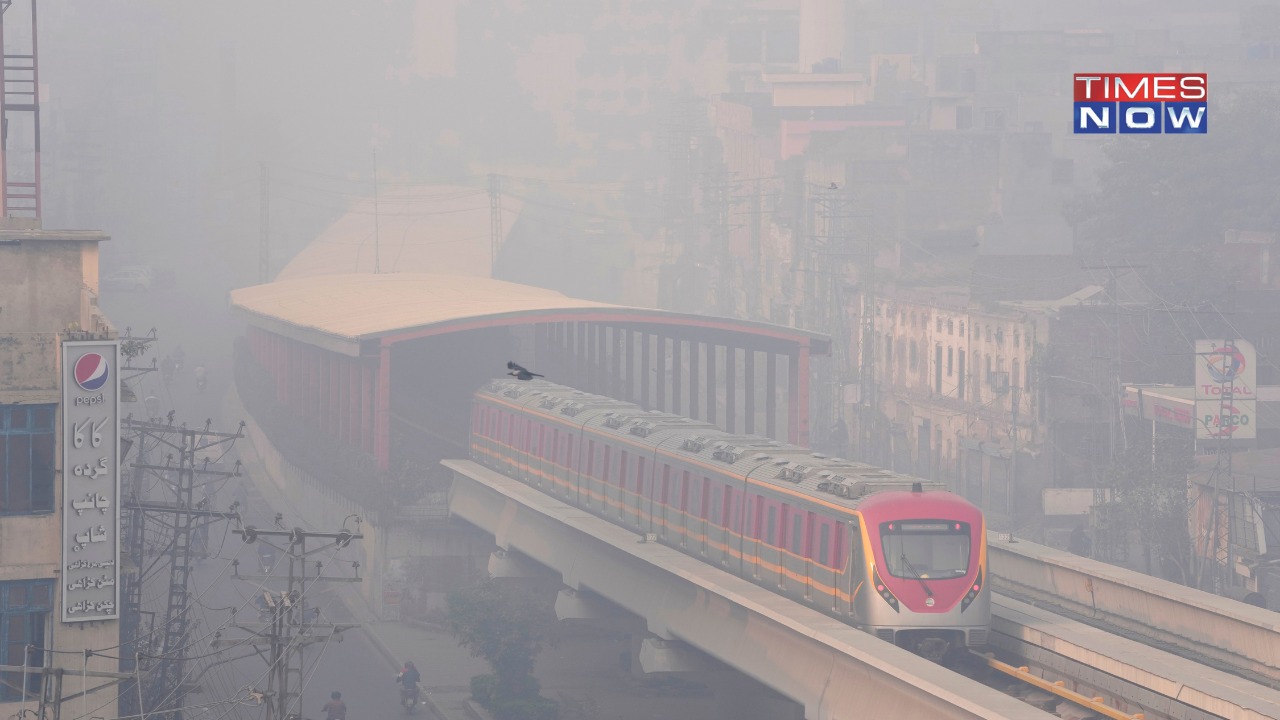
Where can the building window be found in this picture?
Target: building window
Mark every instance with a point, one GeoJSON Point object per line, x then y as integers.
{"type": "Point", "coordinates": [888, 351]}
{"type": "Point", "coordinates": [988, 369]}
{"type": "Point", "coordinates": [1016, 338]}
{"type": "Point", "coordinates": [961, 328]}
{"type": "Point", "coordinates": [951, 327]}
{"type": "Point", "coordinates": [988, 333]}
{"type": "Point", "coordinates": [912, 361]}
{"type": "Point", "coordinates": [24, 612]}
{"type": "Point", "coordinates": [1000, 336]}
{"type": "Point", "coordinates": [939, 324]}
{"type": "Point", "coordinates": [904, 318]}
{"type": "Point", "coordinates": [26, 459]}
{"type": "Point", "coordinates": [960, 370]}
{"type": "Point", "coordinates": [950, 360]}
{"type": "Point", "coordinates": [1016, 373]}
{"type": "Point", "coordinates": [937, 369]}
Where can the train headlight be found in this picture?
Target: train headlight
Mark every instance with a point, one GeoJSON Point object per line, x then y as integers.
{"type": "Point", "coordinates": [883, 591]}
{"type": "Point", "coordinates": [974, 590]}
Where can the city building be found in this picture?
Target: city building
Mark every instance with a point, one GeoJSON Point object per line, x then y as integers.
{"type": "Point", "coordinates": [48, 296]}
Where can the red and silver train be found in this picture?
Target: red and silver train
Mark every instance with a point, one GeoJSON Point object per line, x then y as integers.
{"type": "Point", "coordinates": [899, 558]}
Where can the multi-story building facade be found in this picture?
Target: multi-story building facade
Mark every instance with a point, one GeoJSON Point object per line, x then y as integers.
{"type": "Point", "coordinates": [957, 389]}
{"type": "Point", "coordinates": [48, 295]}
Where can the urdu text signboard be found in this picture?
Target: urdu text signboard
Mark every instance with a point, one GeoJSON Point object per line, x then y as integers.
{"type": "Point", "coordinates": [90, 481]}
{"type": "Point", "coordinates": [1226, 365]}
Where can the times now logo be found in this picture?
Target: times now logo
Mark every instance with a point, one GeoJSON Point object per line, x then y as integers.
{"type": "Point", "coordinates": [1142, 103]}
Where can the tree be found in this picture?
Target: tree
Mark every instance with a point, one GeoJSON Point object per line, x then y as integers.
{"type": "Point", "coordinates": [1163, 193]}
{"type": "Point", "coordinates": [508, 630]}
{"type": "Point", "coordinates": [1149, 503]}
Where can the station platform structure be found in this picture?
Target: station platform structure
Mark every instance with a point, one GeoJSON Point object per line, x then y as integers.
{"type": "Point", "coordinates": [350, 355]}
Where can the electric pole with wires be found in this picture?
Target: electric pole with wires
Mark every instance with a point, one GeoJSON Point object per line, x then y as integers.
{"type": "Point", "coordinates": [287, 624]}
{"type": "Point", "coordinates": [178, 517]}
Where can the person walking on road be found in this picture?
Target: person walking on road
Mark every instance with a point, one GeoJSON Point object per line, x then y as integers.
{"type": "Point", "coordinates": [335, 709]}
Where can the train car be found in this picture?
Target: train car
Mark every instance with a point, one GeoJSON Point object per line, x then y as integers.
{"type": "Point", "coordinates": [894, 555]}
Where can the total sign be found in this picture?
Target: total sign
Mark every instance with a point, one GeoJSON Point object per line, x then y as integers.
{"type": "Point", "coordinates": [90, 481]}
{"type": "Point", "coordinates": [1226, 390]}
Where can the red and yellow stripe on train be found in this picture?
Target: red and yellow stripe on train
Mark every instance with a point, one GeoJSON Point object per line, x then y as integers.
{"type": "Point", "coordinates": [893, 555]}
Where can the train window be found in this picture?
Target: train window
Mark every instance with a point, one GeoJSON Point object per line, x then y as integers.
{"type": "Point", "coordinates": [666, 483]}
{"type": "Point", "coordinates": [589, 470]}
{"type": "Point", "coordinates": [608, 461]}
{"type": "Point", "coordinates": [773, 526]}
{"type": "Point", "coordinates": [684, 492]}
{"type": "Point", "coordinates": [623, 476]}
{"type": "Point", "coordinates": [797, 534]}
{"type": "Point", "coordinates": [715, 506]}
{"type": "Point", "coordinates": [694, 495]}
{"type": "Point", "coordinates": [925, 549]}
{"type": "Point", "coordinates": [733, 513]}
{"type": "Point", "coordinates": [705, 506]}
{"type": "Point", "coordinates": [824, 544]}
{"type": "Point", "coordinates": [640, 476]}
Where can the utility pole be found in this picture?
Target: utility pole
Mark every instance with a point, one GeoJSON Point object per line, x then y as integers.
{"type": "Point", "coordinates": [264, 225]}
{"type": "Point", "coordinates": [286, 624]}
{"type": "Point", "coordinates": [165, 687]}
{"type": "Point", "coordinates": [495, 222]}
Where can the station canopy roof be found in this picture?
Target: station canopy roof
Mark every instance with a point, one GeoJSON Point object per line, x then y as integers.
{"type": "Point", "coordinates": [340, 312]}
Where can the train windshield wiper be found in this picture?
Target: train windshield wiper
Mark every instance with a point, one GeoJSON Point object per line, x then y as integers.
{"type": "Point", "coordinates": [915, 572]}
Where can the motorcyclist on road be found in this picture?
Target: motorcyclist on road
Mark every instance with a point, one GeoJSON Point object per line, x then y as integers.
{"type": "Point", "coordinates": [409, 679]}
{"type": "Point", "coordinates": [335, 709]}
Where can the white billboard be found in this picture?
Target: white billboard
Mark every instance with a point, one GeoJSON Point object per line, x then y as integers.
{"type": "Point", "coordinates": [90, 481]}
{"type": "Point", "coordinates": [1226, 390]}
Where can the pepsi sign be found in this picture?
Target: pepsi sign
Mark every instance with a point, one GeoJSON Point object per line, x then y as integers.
{"type": "Point", "coordinates": [90, 498]}
{"type": "Point", "coordinates": [91, 372]}
{"type": "Point", "coordinates": [1141, 103]}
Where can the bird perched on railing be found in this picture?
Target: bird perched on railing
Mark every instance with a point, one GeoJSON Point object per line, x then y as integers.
{"type": "Point", "coordinates": [520, 373]}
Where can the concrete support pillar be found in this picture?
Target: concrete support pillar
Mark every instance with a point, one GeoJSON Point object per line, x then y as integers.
{"type": "Point", "coordinates": [657, 655]}
{"type": "Point", "coordinates": [749, 389]}
{"type": "Point", "coordinates": [803, 392]}
{"type": "Point", "coordinates": [353, 422]}
{"type": "Point", "coordinates": [677, 376]}
{"type": "Point", "coordinates": [662, 367]}
{"type": "Point", "coordinates": [771, 396]}
{"type": "Point", "coordinates": [695, 372]}
{"type": "Point", "coordinates": [366, 404]}
{"type": "Point", "coordinates": [580, 605]}
{"type": "Point", "coordinates": [619, 344]}
{"type": "Point", "coordinates": [730, 388]}
{"type": "Point", "coordinates": [712, 385]}
{"type": "Point", "coordinates": [645, 370]}
{"type": "Point", "coordinates": [382, 423]}
{"type": "Point", "coordinates": [503, 564]}
{"type": "Point", "coordinates": [600, 366]}
{"type": "Point", "coordinates": [334, 410]}
{"type": "Point", "coordinates": [344, 398]}
{"type": "Point", "coordinates": [793, 399]}
{"type": "Point", "coordinates": [579, 352]}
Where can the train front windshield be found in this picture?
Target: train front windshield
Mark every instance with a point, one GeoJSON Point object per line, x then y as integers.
{"type": "Point", "coordinates": [926, 549]}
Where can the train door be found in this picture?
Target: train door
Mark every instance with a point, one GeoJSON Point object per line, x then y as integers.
{"type": "Point", "coordinates": [641, 483]}
{"type": "Point", "coordinates": [682, 508]}
{"type": "Point", "coordinates": [809, 541]}
{"type": "Point", "coordinates": [704, 504]}
{"type": "Point", "coordinates": [854, 567]}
